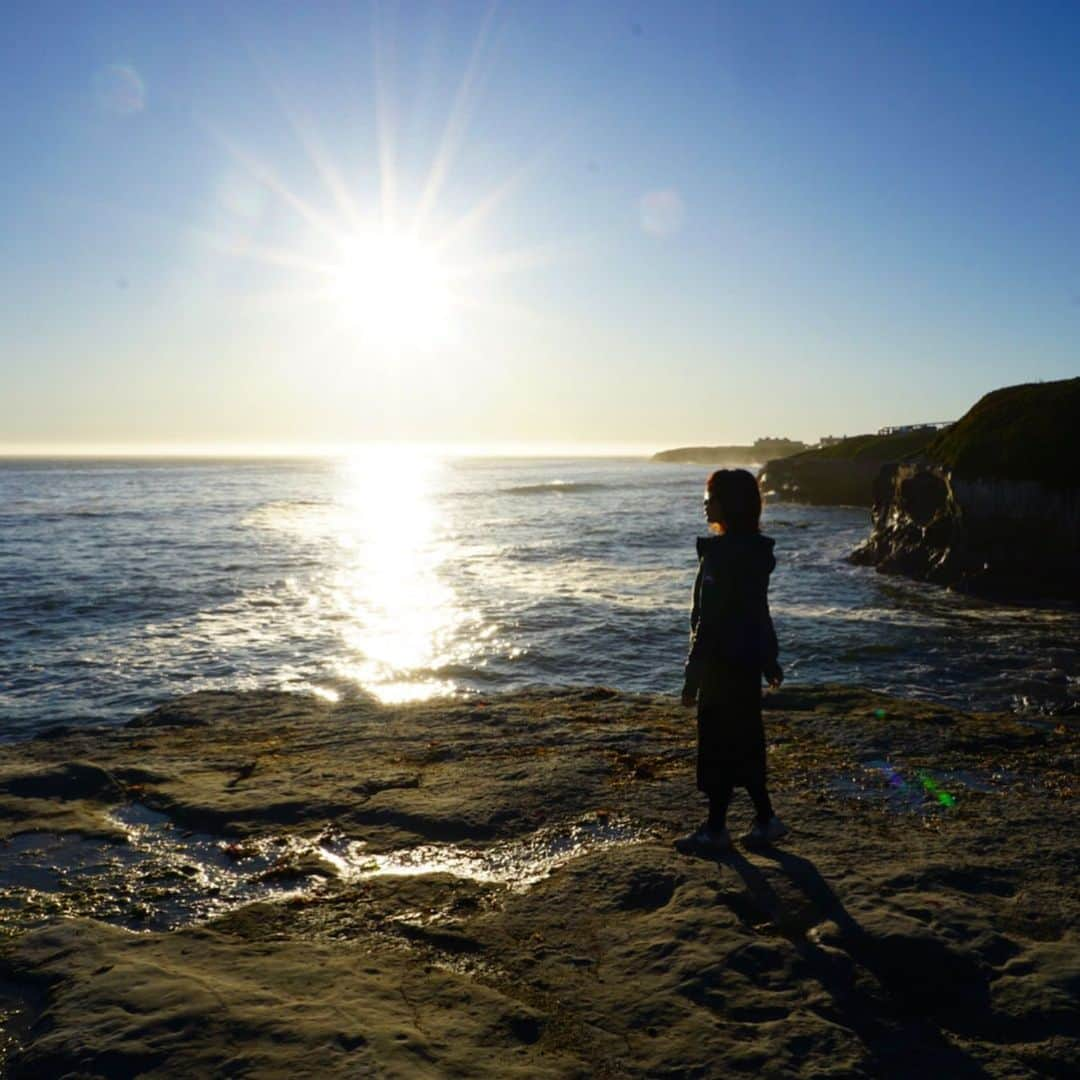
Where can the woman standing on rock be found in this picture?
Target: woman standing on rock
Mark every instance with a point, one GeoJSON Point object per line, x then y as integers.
{"type": "Point", "coordinates": [732, 645]}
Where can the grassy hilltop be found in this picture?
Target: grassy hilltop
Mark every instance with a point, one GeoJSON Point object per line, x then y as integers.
{"type": "Point", "coordinates": [1018, 433]}
{"type": "Point", "coordinates": [1025, 432]}
{"type": "Point", "coordinates": [761, 450]}
{"type": "Point", "coordinates": [992, 505]}
{"type": "Point", "coordinates": [841, 474]}
{"type": "Point", "coordinates": [866, 448]}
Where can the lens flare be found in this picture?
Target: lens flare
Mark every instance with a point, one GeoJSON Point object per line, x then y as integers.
{"type": "Point", "coordinates": [119, 89]}
{"type": "Point", "coordinates": [922, 779]}
{"type": "Point", "coordinates": [662, 212]}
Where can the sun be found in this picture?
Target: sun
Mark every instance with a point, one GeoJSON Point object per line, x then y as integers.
{"type": "Point", "coordinates": [384, 269]}
{"type": "Point", "coordinates": [392, 289]}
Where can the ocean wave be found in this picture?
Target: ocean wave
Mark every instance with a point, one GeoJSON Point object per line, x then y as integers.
{"type": "Point", "coordinates": [283, 579]}
{"type": "Point", "coordinates": [46, 515]}
{"type": "Point", "coordinates": [555, 487]}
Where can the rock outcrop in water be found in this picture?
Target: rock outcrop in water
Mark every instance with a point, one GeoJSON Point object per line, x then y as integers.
{"type": "Point", "coordinates": [995, 507]}
{"type": "Point", "coordinates": [920, 919]}
{"type": "Point", "coordinates": [842, 474]}
{"type": "Point", "coordinates": [1000, 539]}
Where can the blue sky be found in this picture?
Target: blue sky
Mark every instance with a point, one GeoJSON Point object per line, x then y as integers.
{"type": "Point", "coordinates": [715, 221]}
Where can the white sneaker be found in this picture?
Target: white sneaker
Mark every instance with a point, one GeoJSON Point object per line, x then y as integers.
{"type": "Point", "coordinates": [704, 842]}
{"type": "Point", "coordinates": [763, 835]}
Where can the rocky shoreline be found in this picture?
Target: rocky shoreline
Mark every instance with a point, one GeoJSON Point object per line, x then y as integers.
{"type": "Point", "coordinates": [488, 888]}
{"type": "Point", "coordinates": [988, 505]}
{"type": "Point", "coordinates": [1008, 541]}
{"type": "Point", "coordinates": [993, 506]}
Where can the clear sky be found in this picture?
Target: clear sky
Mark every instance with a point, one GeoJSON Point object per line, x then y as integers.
{"type": "Point", "coordinates": [649, 223]}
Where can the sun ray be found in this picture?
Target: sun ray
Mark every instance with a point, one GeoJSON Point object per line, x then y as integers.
{"type": "Point", "coordinates": [265, 176]}
{"type": "Point", "coordinates": [474, 218]}
{"type": "Point", "coordinates": [384, 120]}
{"type": "Point", "coordinates": [457, 122]}
{"type": "Point", "coordinates": [270, 256]}
{"type": "Point", "coordinates": [393, 282]}
{"type": "Point", "coordinates": [304, 130]}
{"type": "Point", "coordinates": [331, 178]}
{"type": "Point", "coordinates": [514, 261]}
{"type": "Point", "coordinates": [233, 246]}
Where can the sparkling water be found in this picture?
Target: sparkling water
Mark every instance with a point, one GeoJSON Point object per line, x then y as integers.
{"type": "Point", "coordinates": [406, 575]}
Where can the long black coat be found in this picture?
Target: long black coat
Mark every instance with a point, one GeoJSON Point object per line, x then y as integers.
{"type": "Point", "coordinates": [732, 644]}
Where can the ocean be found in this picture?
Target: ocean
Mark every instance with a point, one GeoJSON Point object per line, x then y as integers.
{"type": "Point", "coordinates": [403, 575]}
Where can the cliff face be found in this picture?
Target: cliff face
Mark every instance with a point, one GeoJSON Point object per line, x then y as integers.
{"type": "Point", "coordinates": [821, 481]}
{"type": "Point", "coordinates": [1010, 540]}
{"type": "Point", "coordinates": [842, 474]}
{"type": "Point", "coordinates": [994, 506]}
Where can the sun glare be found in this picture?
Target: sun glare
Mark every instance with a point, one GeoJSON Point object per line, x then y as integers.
{"type": "Point", "coordinates": [391, 273]}
{"type": "Point", "coordinates": [393, 290]}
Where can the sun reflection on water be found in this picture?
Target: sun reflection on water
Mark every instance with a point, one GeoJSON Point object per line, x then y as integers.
{"type": "Point", "coordinates": [399, 620]}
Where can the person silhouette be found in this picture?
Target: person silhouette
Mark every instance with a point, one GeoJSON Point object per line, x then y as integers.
{"type": "Point", "coordinates": [732, 645]}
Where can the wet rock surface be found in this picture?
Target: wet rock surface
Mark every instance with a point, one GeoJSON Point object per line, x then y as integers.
{"type": "Point", "coordinates": [992, 505]}
{"type": "Point", "coordinates": [268, 885]}
{"type": "Point", "coordinates": [1006, 540]}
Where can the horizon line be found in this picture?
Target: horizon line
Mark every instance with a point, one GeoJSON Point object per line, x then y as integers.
{"type": "Point", "coordinates": [194, 451]}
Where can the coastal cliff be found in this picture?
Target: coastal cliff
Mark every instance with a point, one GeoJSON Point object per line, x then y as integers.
{"type": "Point", "coordinates": [760, 451]}
{"type": "Point", "coordinates": [842, 474]}
{"type": "Point", "coordinates": [994, 507]}
{"type": "Point", "coordinates": [1001, 539]}
{"type": "Point", "coordinates": [821, 481]}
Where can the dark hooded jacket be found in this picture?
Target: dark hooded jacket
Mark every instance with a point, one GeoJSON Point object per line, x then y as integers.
{"type": "Point", "coordinates": [730, 622]}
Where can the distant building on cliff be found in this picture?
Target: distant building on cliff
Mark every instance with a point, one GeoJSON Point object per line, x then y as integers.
{"type": "Point", "coordinates": [775, 447]}
{"type": "Point", "coordinates": [898, 429]}
{"type": "Point", "coordinates": [830, 440]}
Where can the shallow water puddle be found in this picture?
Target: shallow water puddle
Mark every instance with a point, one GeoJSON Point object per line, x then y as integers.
{"type": "Point", "coordinates": [164, 877]}
{"type": "Point", "coordinates": [517, 863]}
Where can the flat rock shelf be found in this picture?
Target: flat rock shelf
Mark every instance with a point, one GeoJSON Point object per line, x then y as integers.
{"type": "Point", "coordinates": [270, 885]}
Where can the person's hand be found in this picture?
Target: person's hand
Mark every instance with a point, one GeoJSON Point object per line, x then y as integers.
{"type": "Point", "coordinates": [774, 675]}
{"type": "Point", "coordinates": [689, 697]}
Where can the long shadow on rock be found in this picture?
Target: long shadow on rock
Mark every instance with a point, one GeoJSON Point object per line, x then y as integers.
{"type": "Point", "coordinates": [922, 977]}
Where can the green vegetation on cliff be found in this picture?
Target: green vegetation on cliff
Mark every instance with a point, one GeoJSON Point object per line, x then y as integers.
{"type": "Point", "coordinates": [842, 474]}
{"type": "Point", "coordinates": [762, 450]}
{"type": "Point", "coordinates": [893, 447]}
{"type": "Point", "coordinates": [1025, 432]}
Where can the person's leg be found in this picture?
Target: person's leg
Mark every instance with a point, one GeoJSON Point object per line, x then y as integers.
{"type": "Point", "coordinates": [763, 809]}
{"type": "Point", "coordinates": [719, 799]}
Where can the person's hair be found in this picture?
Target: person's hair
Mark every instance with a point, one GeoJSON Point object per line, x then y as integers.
{"type": "Point", "coordinates": [739, 498]}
